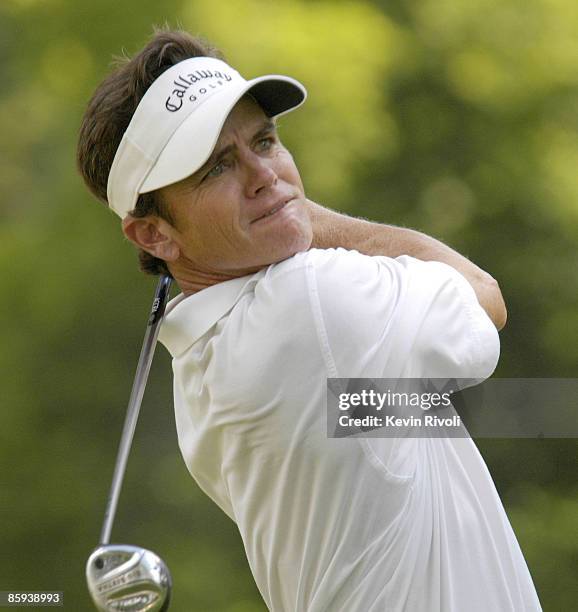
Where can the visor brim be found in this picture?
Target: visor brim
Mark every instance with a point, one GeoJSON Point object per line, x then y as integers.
{"type": "Point", "coordinates": [193, 142]}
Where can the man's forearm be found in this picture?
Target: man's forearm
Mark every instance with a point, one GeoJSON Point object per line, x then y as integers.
{"type": "Point", "coordinates": [331, 229]}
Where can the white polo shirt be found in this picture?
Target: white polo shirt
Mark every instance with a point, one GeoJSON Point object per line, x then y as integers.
{"type": "Point", "coordinates": [354, 524]}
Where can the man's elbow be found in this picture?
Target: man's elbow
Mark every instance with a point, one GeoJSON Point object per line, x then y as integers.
{"type": "Point", "coordinates": [497, 307]}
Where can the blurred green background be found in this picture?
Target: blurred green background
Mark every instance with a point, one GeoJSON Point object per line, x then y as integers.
{"type": "Point", "coordinates": [456, 118]}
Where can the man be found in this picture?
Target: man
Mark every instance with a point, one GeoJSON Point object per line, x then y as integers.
{"type": "Point", "coordinates": [278, 295]}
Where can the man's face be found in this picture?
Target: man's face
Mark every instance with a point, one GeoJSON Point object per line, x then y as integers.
{"type": "Point", "coordinates": [245, 208]}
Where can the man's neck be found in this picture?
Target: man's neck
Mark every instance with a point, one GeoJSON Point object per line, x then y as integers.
{"type": "Point", "coordinates": [193, 281]}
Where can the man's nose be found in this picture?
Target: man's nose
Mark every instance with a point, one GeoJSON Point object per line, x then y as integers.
{"type": "Point", "coordinates": [259, 174]}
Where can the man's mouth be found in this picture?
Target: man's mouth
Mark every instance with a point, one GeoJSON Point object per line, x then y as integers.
{"type": "Point", "coordinates": [272, 211]}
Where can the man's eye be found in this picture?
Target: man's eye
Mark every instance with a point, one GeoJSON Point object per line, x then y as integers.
{"type": "Point", "coordinates": [265, 143]}
{"type": "Point", "coordinates": [216, 170]}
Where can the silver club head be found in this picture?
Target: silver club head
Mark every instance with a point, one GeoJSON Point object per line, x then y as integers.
{"type": "Point", "coordinates": [121, 577]}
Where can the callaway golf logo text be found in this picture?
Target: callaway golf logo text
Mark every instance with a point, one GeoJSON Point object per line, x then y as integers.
{"type": "Point", "coordinates": [183, 83]}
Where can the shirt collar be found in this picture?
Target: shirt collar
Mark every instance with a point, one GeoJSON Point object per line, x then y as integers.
{"type": "Point", "coordinates": [187, 318]}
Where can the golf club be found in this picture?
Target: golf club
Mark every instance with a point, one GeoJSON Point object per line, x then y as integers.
{"type": "Point", "coordinates": [121, 576]}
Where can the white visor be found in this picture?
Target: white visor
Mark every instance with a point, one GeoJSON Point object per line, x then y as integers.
{"type": "Point", "coordinates": [178, 121]}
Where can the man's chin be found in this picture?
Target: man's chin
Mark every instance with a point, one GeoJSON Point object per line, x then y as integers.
{"type": "Point", "coordinates": [300, 245]}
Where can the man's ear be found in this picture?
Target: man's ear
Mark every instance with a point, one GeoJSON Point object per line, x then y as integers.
{"type": "Point", "coordinates": [152, 235]}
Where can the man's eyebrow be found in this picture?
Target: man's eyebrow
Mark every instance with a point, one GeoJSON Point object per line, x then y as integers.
{"type": "Point", "coordinates": [267, 127]}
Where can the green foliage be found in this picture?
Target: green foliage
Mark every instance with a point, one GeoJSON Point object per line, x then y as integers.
{"type": "Point", "coordinates": [546, 523]}
{"type": "Point", "coordinates": [456, 118]}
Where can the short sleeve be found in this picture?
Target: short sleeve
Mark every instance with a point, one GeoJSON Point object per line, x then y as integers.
{"type": "Point", "coordinates": [399, 318]}
{"type": "Point", "coordinates": [456, 339]}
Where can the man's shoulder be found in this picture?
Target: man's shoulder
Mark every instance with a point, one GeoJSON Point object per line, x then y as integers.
{"type": "Point", "coordinates": [298, 283]}
{"type": "Point", "coordinates": [338, 276]}
{"type": "Point", "coordinates": [304, 259]}
{"type": "Point", "coordinates": [328, 261]}
{"type": "Point", "coordinates": [334, 284]}
{"type": "Point", "coordinates": [338, 267]}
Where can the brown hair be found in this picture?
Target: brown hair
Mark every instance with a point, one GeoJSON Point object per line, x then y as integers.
{"type": "Point", "coordinates": [111, 108]}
